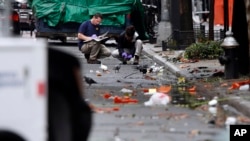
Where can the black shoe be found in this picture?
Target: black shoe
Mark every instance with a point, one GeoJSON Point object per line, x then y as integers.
{"type": "Point", "coordinates": [94, 62]}
{"type": "Point", "coordinates": [136, 63]}
{"type": "Point", "coordinates": [87, 56]}
{"type": "Point", "coordinates": [124, 62]}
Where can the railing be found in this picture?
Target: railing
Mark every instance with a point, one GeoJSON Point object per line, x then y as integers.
{"type": "Point", "coordinates": [179, 40]}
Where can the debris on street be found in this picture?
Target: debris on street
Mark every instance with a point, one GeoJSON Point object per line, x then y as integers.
{"type": "Point", "coordinates": [158, 99]}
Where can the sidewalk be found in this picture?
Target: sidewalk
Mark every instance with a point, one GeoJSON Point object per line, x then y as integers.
{"type": "Point", "coordinates": [240, 100]}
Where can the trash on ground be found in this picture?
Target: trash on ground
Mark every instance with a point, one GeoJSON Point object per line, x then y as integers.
{"type": "Point", "coordinates": [124, 100]}
{"type": "Point", "coordinates": [158, 99]}
{"type": "Point", "coordinates": [149, 91]}
{"type": "Point", "coordinates": [124, 91]}
{"type": "Point", "coordinates": [194, 133]}
{"type": "Point", "coordinates": [244, 87]}
{"type": "Point", "coordinates": [98, 73]}
{"type": "Point", "coordinates": [104, 109]}
{"type": "Point", "coordinates": [107, 95]}
{"type": "Point", "coordinates": [164, 89]}
{"type": "Point", "coordinates": [104, 67]}
{"type": "Point", "coordinates": [230, 121]}
{"type": "Point", "coordinates": [237, 85]}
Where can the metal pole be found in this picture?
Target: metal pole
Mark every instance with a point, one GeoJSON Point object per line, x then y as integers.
{"type": "Point", "coordinates": [164, 10]}
{"type": "Point", "coordinates": [165, 26]}
{"type": "Point", "coordinates": [4, 18]}
{"type": "Point", "coordinates": [226, 21]}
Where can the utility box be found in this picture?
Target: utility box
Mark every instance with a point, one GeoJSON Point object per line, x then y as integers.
{"type": "Point", "coordinates": [23, 88]}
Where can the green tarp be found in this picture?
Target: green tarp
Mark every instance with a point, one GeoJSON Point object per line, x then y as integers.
{"type": "Point", "coordinates": [62, 11]}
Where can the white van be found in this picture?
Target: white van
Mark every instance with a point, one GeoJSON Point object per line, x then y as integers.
{"type": "Point", "coordinates": [23, 88]}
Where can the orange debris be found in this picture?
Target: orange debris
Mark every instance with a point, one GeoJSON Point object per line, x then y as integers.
{"type": "Point", "coordinates": [193, 89]}
{"type": "Point", "coordinates": [145, 90]}
{"type": "Point", "coordinates": [237, 85]}
{"type": "Point", "coordinates": [116, 108]}
{"type": "Point", "coordinates": [124, 100]}
{"type": "Point", "coordinates": [164, 89]}
{"type": "Point", "coordinates": [106, 95]}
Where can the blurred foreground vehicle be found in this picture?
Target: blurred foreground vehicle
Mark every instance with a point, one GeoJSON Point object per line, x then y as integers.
{"type": "Point", "coordinates": [23, 89]}
{"type": "Point", "coordinates": [41, 95]}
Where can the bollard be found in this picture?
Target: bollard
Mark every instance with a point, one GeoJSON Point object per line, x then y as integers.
{"type": "Point", "coordinates": [164, 45]}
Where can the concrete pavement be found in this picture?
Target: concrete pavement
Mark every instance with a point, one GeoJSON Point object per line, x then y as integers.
{"type": "Point", "coordinates": [238, 99]}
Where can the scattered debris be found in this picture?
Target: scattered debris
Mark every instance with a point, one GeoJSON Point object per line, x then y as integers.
{"type": "Point", "coordinates": [237, 85]}
{"type": "Point", "coordinates": [104, 109]}
{"type": "Point", "coordinates": [149, 91]}
{"type": "Point", "coordinates": [98, 73]}
{"type": "Point", "coordinates": [124, 100]}
{"type": "Point", "coordinates": [244, 87]}
{"type": "Point", "coordinates": [230, 121]}
{"type": "Point", "coordinates": [126, 91]}
{"type": "Point", "coordinates": [104, 67]}
{"type": "Point", "coordinates": [194, 133]}
{"type": "Point", "coordinates": [159, 99]}
{"type": "Point", "coordinates": [181, 80]}
{"type": "Point", "coordinates": [243, 119]}
{"type": "Point", "coordinates": [164, 89]}
{"type": "Point", "coordinates": [184, 66]}
{"type": "Point", "coordinates": [213, 106]}
{"type": "Point", "coordinates": [107, 95]}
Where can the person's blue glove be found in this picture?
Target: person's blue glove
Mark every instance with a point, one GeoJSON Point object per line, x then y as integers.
{"type": "Point", "coordinates": [129, 56]}
{"type": "Point", "coordinates": [94, 36]}
{"type": "Point", "coordinates": [124, 55]}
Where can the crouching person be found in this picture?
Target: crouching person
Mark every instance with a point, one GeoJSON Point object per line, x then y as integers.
{"type": "Point", "coordinates": [128, 46]}
{"type": "Point", "coordinates": [92, 50]}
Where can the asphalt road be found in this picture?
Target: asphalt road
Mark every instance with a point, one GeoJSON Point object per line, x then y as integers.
{"type": "Point", "coordinates": [136, 122]}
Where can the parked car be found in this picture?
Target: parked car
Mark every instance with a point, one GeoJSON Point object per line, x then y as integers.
{"type": "Point", "coordinates": [14, 23]}
{"type": "Point", "coordinates": [25, 14]}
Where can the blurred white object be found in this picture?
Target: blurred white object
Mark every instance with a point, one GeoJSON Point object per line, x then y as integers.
{"type": "Point", "coordinates": [160, 99]}
{"type": "Point", "coordinates": [158, 69]}
{"type": "Point", "coordinates": [230, 121]}
{"type": "Point", "coordinates": [213, 106]}
{"type": "Point", "coordinates": [124, 90]}
{"type": "Point", "coordinates": [213, 102]}
{"type": "Point", "coordinates": [104, 67]}
{"type": "Point", "coordinates": [196, 19]}
{"type": "Point", "coordinates": [150, 91]}
{"type": "Point", "coordinates": [212, 110]}
{"type": "Point", "coordinates": [244, 87]}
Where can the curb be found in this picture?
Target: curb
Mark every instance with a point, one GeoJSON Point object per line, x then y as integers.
{"type": "Point", "coordinates": [237, 102]}
{"type": "Point", "coordinates": [169, 66]}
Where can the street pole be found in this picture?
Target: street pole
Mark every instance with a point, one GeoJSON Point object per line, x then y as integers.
{"type": "Point", "coordinates": [4, 18]}
{"type": "Point", "coordinates": [164, 28]}
{"type": "Point", "coordinates": [164, 10]}
{"type": "Point", "coordinates": [211, 20]}
{"type": "Point", "coordinates": [226, 16]}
